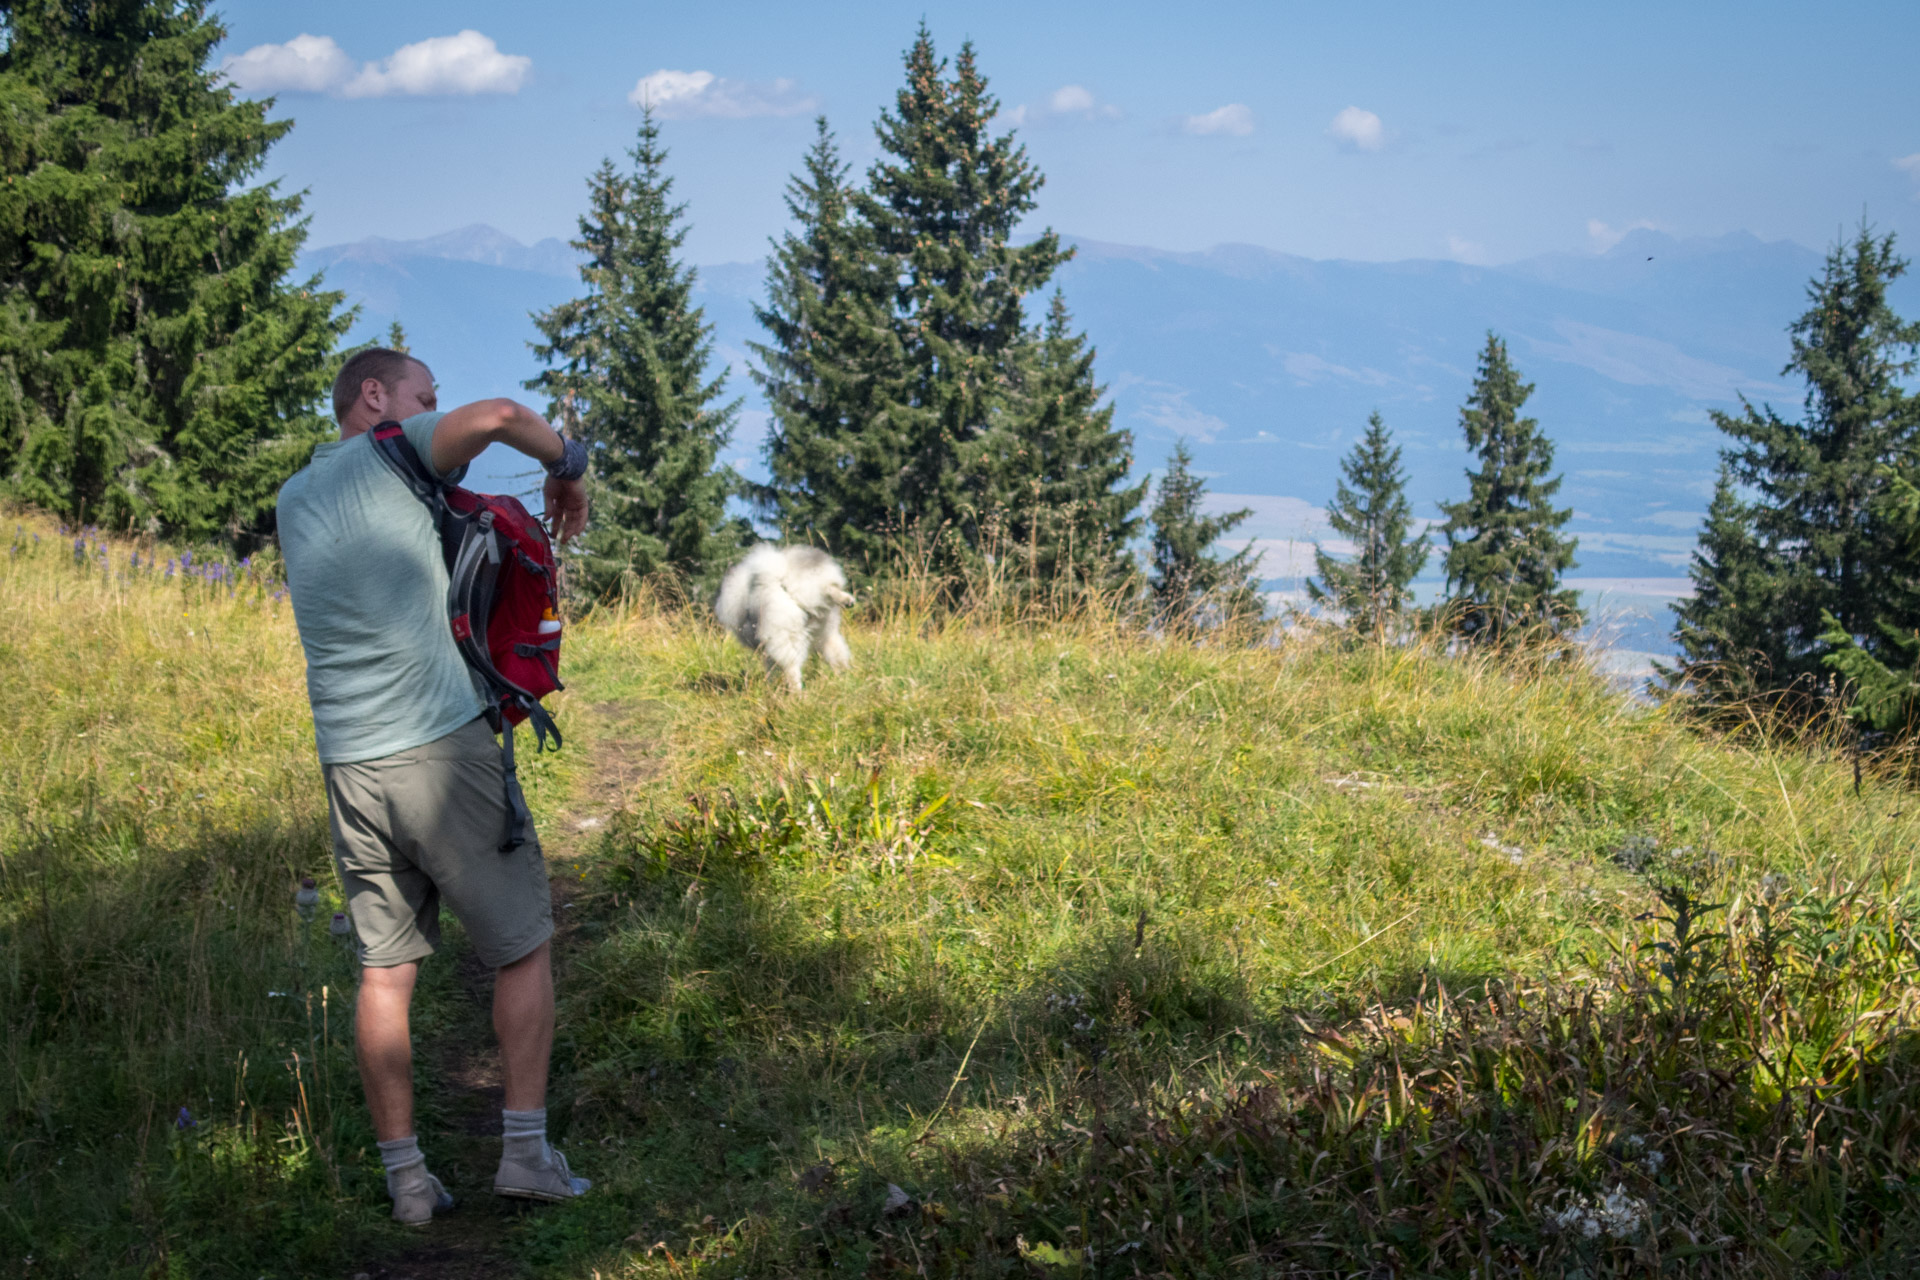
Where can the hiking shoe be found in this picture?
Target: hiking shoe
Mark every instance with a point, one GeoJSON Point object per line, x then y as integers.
{"type": "Point", "coordinates": [415, 1204]}
{"type": "Point", "coordinates": [551, 1181]}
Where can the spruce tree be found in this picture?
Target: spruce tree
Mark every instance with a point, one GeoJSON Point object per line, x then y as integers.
{"type": "Point", "coordinates": [1882, 668]}
{"type": "Point", "coordinates": [1725, 629]}
{"type": "Point", "coordinates": [627, 371]}
{"type": "Point", "coordinates": [909, 394]}
{"type": "Point", "coordinates": [1504, 552]}
{"type": "Point", "coordinates": [1062, 467]}
{"type": "Point", "coordinates": [1370, 509]}
{"type": "Point", "coordinates": [830, 370]}
{"type": "Point", "coordinates": [943, 204]}
{"type": "Point", "coordinates": [1822, 546]}
{"type": "Point", "coordinates": [1191, 585]}
{"type": "Point", "coordinates": [158, 369]}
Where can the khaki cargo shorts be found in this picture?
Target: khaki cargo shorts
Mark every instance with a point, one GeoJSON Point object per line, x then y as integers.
{"type": "Point", "coordinates": [426, 823]}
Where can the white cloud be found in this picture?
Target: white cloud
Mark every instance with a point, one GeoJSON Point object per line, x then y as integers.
{"type": "Point", "coordinates": [1078, 100]}
{"type": "Point", "coordinates": [1068, 102]}
{"type": "Point", "coordinates": [465, 63]}
{"type": "Point", "coordinates": [679, 95]}
{"type": "Point", "coordinates": [1910, 165]}
{"type": "Point", "coordinates": [1235, 120]}
{"type": "Point", "coordinates": [304, 64]}
{"type": "Point", "coordinates": [1166, 407]}
{"type": "Point", "coordinates": [1358, 130]}
{"type": "Point", "coordinates": [1279, 559]}
{"type": "Point", "coordinates": [454, 65]}
{"type": "Point", "coordinates": [1071, 97]}
{"type": "Point", "coordinates": [1674, 519]}
{"type": "Point", "coordinates": [1605, 237]}
{"type": "Point", "coordinates": [1662, 588]}
{"type": "Point", "coordinates": [664, 88]}
{"type": "Point", "coordinates": [1667, 549]}
{"type": "Point", "coordinates": [1471, 252]}
{"type": "Point", "coordinates": [1308, 369]}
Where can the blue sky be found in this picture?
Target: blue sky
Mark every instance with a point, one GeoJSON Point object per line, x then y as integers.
{"type": "Point", "coordinates": [1479, 132]}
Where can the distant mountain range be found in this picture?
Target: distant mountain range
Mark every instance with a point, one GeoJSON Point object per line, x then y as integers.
{"type": "Point", "coordinates": [1269, 364]}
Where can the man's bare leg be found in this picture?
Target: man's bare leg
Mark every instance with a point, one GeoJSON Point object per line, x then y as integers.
{"type": "Point", "coordinates": [523, 1021]}
{"type": "Point", "coordinates": [384, 1047]}
{"type": "Point", "coordinates": [383, 1043]}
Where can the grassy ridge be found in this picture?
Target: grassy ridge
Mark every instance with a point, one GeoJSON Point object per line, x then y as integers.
{"type": "Point", "coordinates": [964, 961]}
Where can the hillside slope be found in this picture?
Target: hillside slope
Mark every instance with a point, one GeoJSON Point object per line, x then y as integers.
{"type": "Point", "coordinates": [998, 948]}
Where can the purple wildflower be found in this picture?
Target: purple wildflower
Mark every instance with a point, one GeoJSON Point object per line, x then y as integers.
{"type": "Point", "coordinates": [185, 1120]}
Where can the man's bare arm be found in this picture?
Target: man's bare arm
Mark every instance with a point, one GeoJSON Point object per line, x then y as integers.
{"type": "Point", "coordinates": [465, 431]}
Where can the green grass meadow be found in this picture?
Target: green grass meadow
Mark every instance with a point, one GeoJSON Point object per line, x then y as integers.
{"type": "Point", "coordinates": [1022, 949]}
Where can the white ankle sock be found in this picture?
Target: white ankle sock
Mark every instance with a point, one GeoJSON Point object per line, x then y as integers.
{"type": "Point", "coordinates": [404, 1161]}
{"type": "Point", "coordinates": [524, 1136]}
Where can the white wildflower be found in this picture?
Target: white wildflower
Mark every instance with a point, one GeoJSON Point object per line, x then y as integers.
{"type": "Point", "coordinates": [1616, 1215]}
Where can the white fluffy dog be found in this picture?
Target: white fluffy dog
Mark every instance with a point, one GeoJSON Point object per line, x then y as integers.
{"type": "Point", "coordinates": [786, 602]}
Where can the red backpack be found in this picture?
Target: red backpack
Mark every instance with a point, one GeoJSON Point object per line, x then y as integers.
{"type": "Point", "coordinates": [502, 604]}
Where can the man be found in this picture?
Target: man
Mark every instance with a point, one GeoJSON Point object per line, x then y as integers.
{"type": "Point", "coordinates": [415, 782]}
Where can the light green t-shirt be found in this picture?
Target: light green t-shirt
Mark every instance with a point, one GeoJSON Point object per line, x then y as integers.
{"type": "Point", "coordinates": [369, 592]}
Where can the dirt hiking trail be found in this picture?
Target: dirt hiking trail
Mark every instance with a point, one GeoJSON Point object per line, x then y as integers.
{"type": "Point", "coordinates": [457, 1064]}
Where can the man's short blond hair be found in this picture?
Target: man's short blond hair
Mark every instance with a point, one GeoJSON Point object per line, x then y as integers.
{"type": "Point", "coordinates": [383, 364]}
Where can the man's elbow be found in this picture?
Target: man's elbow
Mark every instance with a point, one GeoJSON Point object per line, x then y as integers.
{"type": "Point", "coordinates": [501, 414]}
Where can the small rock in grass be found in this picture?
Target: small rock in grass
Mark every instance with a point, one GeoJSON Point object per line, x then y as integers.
{"type": "Point", "coordinates": [1514, 853]}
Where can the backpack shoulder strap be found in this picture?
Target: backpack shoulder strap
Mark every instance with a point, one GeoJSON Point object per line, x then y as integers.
{"type": "Point", "coordinates": [391, 443]}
